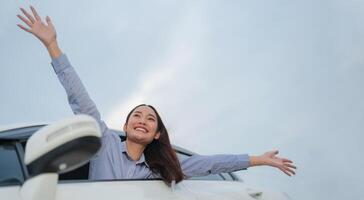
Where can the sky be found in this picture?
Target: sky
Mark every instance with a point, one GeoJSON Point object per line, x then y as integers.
{"type": "Point", "coordinates": [226, 76]}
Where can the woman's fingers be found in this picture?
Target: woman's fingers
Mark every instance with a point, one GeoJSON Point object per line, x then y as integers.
{"type": "Point", "coordinates": [27, 15]}
{"type": "Point", "coordinates": [285, 171]}
{"type": "Point", "coordinates": [35, 13]}
{"type": "Point", "coordinates": [290, 165]}
{"type": "Point", "coordinates": [49, 21]}
{"type": "Point", "coordinates": [25, 20]}
{"type": "Point", "coordinates": [287, 167]}
{"type": "Point", "coordinates": [24, 28]}
{"type": "Point", "coordinates": [283, 164]}
{"type": "Point", "coordinates": [289, 170]}
{"type": "Point", "coordinates": [44, 31]}
{"type": "Point", "coordinates": [286, 160]}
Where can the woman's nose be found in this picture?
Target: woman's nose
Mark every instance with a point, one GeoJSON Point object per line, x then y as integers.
{"type": "Point", "coordinates": [142, 121]}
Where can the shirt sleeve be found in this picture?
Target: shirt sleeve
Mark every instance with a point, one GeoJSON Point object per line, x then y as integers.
{"type": "Point", "coordinates": [78, 97]}
{"type": "Point", "coordinates": [199, 165]}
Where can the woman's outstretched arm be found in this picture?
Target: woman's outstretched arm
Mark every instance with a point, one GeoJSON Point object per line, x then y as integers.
{"type": "Point", "coordinates": [199, 165]}
{"type": "Point", "coordinates": [78, 97]}
{"type": "Point", "coordinates": [271, 159]}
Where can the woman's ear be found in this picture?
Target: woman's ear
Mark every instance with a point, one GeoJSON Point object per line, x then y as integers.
{"type": "Point", "coordinates": [157, 135]}
{"type": "Point", "coordinates": [124, 128]}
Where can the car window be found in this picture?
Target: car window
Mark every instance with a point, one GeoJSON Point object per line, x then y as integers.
{"type": "Point", "coordinates": [10, 167]}
{"type": "Point", "coordinates": [182, 156]}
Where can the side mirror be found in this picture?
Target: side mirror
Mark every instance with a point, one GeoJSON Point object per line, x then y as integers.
{"type": "Point", "coordinates": [58, 148]}
{"type": "Point", "coordinates": [62, 146]}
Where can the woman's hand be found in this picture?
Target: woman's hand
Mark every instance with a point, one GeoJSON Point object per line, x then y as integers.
{"type": "Point", "coordinates": [45, 32]}
{"type": "Point", "coordinates": [270, 159]}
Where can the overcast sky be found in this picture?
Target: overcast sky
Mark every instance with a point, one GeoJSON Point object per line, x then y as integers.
{"type": "Point", "coordinates": [226, 76]}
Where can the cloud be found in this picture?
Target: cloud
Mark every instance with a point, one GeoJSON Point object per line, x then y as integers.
{"type": "Point", "coordinates": [146, 89]}
{"type": "Point", "coordinates": [181, 48]}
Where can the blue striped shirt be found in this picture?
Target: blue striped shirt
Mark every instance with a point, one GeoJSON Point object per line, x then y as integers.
{"type": "Point", "coordinates": [113, 161]}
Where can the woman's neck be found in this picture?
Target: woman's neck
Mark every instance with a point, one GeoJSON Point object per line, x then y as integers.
{"type": "Point", "coordinates": [135, 150]}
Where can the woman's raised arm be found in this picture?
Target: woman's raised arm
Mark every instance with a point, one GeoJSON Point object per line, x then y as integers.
{"type": "Point", "coordinates": [78, 97]}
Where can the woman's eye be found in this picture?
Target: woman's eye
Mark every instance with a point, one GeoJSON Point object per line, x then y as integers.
{"type": "Point", "coordinates": [136, 115]}
{"type": "Point", "coordinates": [151, 119]}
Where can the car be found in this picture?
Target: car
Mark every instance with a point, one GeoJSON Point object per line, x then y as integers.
{"type": "Point", "coordinates": [51, 162]}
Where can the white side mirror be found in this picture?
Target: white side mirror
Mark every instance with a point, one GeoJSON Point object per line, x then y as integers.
{"type": "Point", "coordinates": [58, 148]}
{"type": "Point", "coordinates": [62, 146]}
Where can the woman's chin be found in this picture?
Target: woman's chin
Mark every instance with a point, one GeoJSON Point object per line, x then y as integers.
{"type": "Point", "coordinates": [140, 138]}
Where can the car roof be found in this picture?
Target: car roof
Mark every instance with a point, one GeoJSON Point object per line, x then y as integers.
{"type": "Point", "coordinates": [20, 132]}
{"type": "Point", "coordinates": [20, 125]}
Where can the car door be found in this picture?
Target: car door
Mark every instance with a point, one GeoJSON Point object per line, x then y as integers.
{"type": "Point", "coordinates": [219, 186]}
{"type": "Point", "coordinates": [121, 190]}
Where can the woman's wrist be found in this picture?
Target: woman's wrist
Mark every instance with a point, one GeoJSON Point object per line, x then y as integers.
{"type": "Point", "coordinates": [54, 50]}
{"type": "Point", "coordinates": [256, 161]}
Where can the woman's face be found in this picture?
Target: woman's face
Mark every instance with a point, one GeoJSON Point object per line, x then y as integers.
{"type": "Point", "coordinates": [142, 125]}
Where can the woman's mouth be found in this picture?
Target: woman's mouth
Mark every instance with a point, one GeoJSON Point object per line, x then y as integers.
{"type": "Point", "coordinates": [141, 129]}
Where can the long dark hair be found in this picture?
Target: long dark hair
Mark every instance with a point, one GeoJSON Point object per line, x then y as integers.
{"type": "Point", "coordinates": [159, 154]}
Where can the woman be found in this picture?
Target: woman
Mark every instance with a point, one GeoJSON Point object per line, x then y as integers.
{"type": "Point", "coordinates": [147, 152]}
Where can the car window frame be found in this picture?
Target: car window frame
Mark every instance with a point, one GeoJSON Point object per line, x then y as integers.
{"type": "Point", "coordinates": [20, 158]}
{"type": "Point", "coordinates": [21, 154]}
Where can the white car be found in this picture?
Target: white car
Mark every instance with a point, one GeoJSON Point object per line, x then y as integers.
{"type": "Point", "coordinates": [40, 162]}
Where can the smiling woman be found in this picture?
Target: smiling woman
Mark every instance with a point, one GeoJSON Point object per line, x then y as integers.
{"type": "Point", "coordinates": [147, 152]}
{"type": "Point", "coordinates": [140, 123]}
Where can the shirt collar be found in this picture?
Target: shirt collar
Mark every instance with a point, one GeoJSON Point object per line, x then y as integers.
{"type": "Point", "coordinates": [125, 150]}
